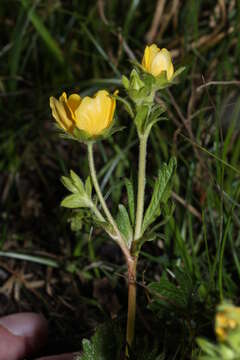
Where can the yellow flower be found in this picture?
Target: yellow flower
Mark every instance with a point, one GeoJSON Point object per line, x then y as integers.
{"type": "Point", "coordinates": [90, 114]}
{"type": "Point", "coordinates": [155, 61]}
{"type": "Point", "coordinates": [225, 322]}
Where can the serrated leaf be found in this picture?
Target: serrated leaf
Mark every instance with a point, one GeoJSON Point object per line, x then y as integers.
{"type": "Point", "coordinates": [105, 344]}
{"type": "Point", "coordinates": [75, 201]}
{"type": "Point", "coordinates": [131, 199]}
{"type": "Point", "coordinates": [77, 182]}
{"type": "Point", "coordinates": [124, 224]}
{"type": "Point", "coordinates": [185, 283]}
{"type": "Point", "coordinates": [176, 294]}
{"type": "Point", "coordinates": [165, 292]}
{"type": "Point", "coordinates": [161, 193]}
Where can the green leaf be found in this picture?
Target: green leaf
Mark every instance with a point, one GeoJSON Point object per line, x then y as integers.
{"type": "Point", "coordinates": [140, 118]}
{"type": "Point", "coordinates": [125, 82]}
{"type": "Point", "coordinates": [207, 347]}
{"type": "Point", "coordinates": [88, 187]}
{"type": "Point", "coordinates": [131, 200]}
{"type": "Point", "coordinates": [77, 182]}
{"type": "Point", "coordinates": [75, 201]}
{"type": "Point", "coordinates": [124, 224]}
{"type": "Point", "coordinates": [166, 292]}
{"type": "Point", "coordinates": [105, 344]}
{"type": "Point", "coordinates": [178, 72]}
{"type": "Point", "coordinates": [161, 193]}
{"type": "Point", "coordinates": [106, 226]}
{"type": "Point", "coordinates": [68, 183]}
{"type": "Point", "coordinates": [155, 116]}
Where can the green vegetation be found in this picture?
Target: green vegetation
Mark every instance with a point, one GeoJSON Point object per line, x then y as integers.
{"type": "Point", "coordinates": [78, 279]}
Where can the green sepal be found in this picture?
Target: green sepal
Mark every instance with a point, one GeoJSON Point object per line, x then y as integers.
{"type": "Point", "coordinates": [138, 88]}
{"type": "Point", "coordinates": [162, 81]}
{"type": "Point", "coordinates": [125, 82]}
{"type": "Point", "coordinates": [86, 138]}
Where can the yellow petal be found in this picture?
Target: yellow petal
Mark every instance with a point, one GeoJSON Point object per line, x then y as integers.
{"type": "Point", "coordinates": [113, 107]}
{"type": "Point", "coordinates": [145, 60]}
{"type": "Point", "coordinates": [93, 115]}
{"type": "Point", "coordinates": [104, 106]}
{"type": "Point", "coordinates": [85, 115]}
{"type": "Point", "coordinates": [170, 72]}
{"type": "Point", "coordinates": [60, 115]}
{"type": "Point", "coordinates": [162, 62]}
{"type": "Point", "coordinates": [149, 55]}
{"type": "Point", "coordinates": [63, 99]}
{"type": "Point", "coordinates": [74, 101]}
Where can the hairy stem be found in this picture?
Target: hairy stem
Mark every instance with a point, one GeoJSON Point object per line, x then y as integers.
{"type": "Point", "coordinates": [119, 238]}
{"type": "Point", "coordinates": [132, 267]}
{"type": "Point", "coordinates": [141, 185]}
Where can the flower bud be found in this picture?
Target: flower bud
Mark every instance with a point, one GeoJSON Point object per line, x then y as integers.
{"type": "Point", "coordinates": [155, 61]}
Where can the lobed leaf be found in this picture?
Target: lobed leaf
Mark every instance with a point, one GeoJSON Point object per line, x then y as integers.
{"type": "Point", "coordinates": [68, 183]}
{"type": "Point", "coordinates": [75, 201]}
{"type": "Point", "coordinates": [131, 199]}
{"type": "Point", "coordinates": [77, 182]}
{"type": "Point", "coordinates": [161, 193]}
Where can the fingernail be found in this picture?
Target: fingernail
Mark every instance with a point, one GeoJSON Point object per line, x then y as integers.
{"type": "Point", "coordinates": [25, 324]}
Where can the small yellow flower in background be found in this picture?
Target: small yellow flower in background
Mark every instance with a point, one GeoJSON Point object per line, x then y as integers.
{"type": "Point", "coordinates": [155, 61]}
{"type": "Point", "coordinates": [227, 320]}
{"type": "Point", "coordinates": [90, 114]}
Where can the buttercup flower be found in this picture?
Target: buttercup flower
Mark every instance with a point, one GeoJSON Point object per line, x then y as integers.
{"type": "Point", "coordinates": [155, 61]}
{"type": "Point", "coordinates": [92, 115]}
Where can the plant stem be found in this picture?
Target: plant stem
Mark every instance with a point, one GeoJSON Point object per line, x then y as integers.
{"type": "Point", "coordinates": [103, 203]}
{"type": "Point", "coordinates": [132, 262]}
{"type": "Point", "coordinates": [141, 184]}
{"type": "Point", "coordinates": [132, 267]}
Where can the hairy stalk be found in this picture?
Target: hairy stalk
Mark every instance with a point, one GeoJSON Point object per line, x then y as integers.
{"type": "Point", "coordinates": [132, 267]}
{"type": "Point", "coordinates": [132, 263]}
{"type": "Point", "coordinates": [119, 238]}
{"type": "Point", "coordinates": [141, 185]}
